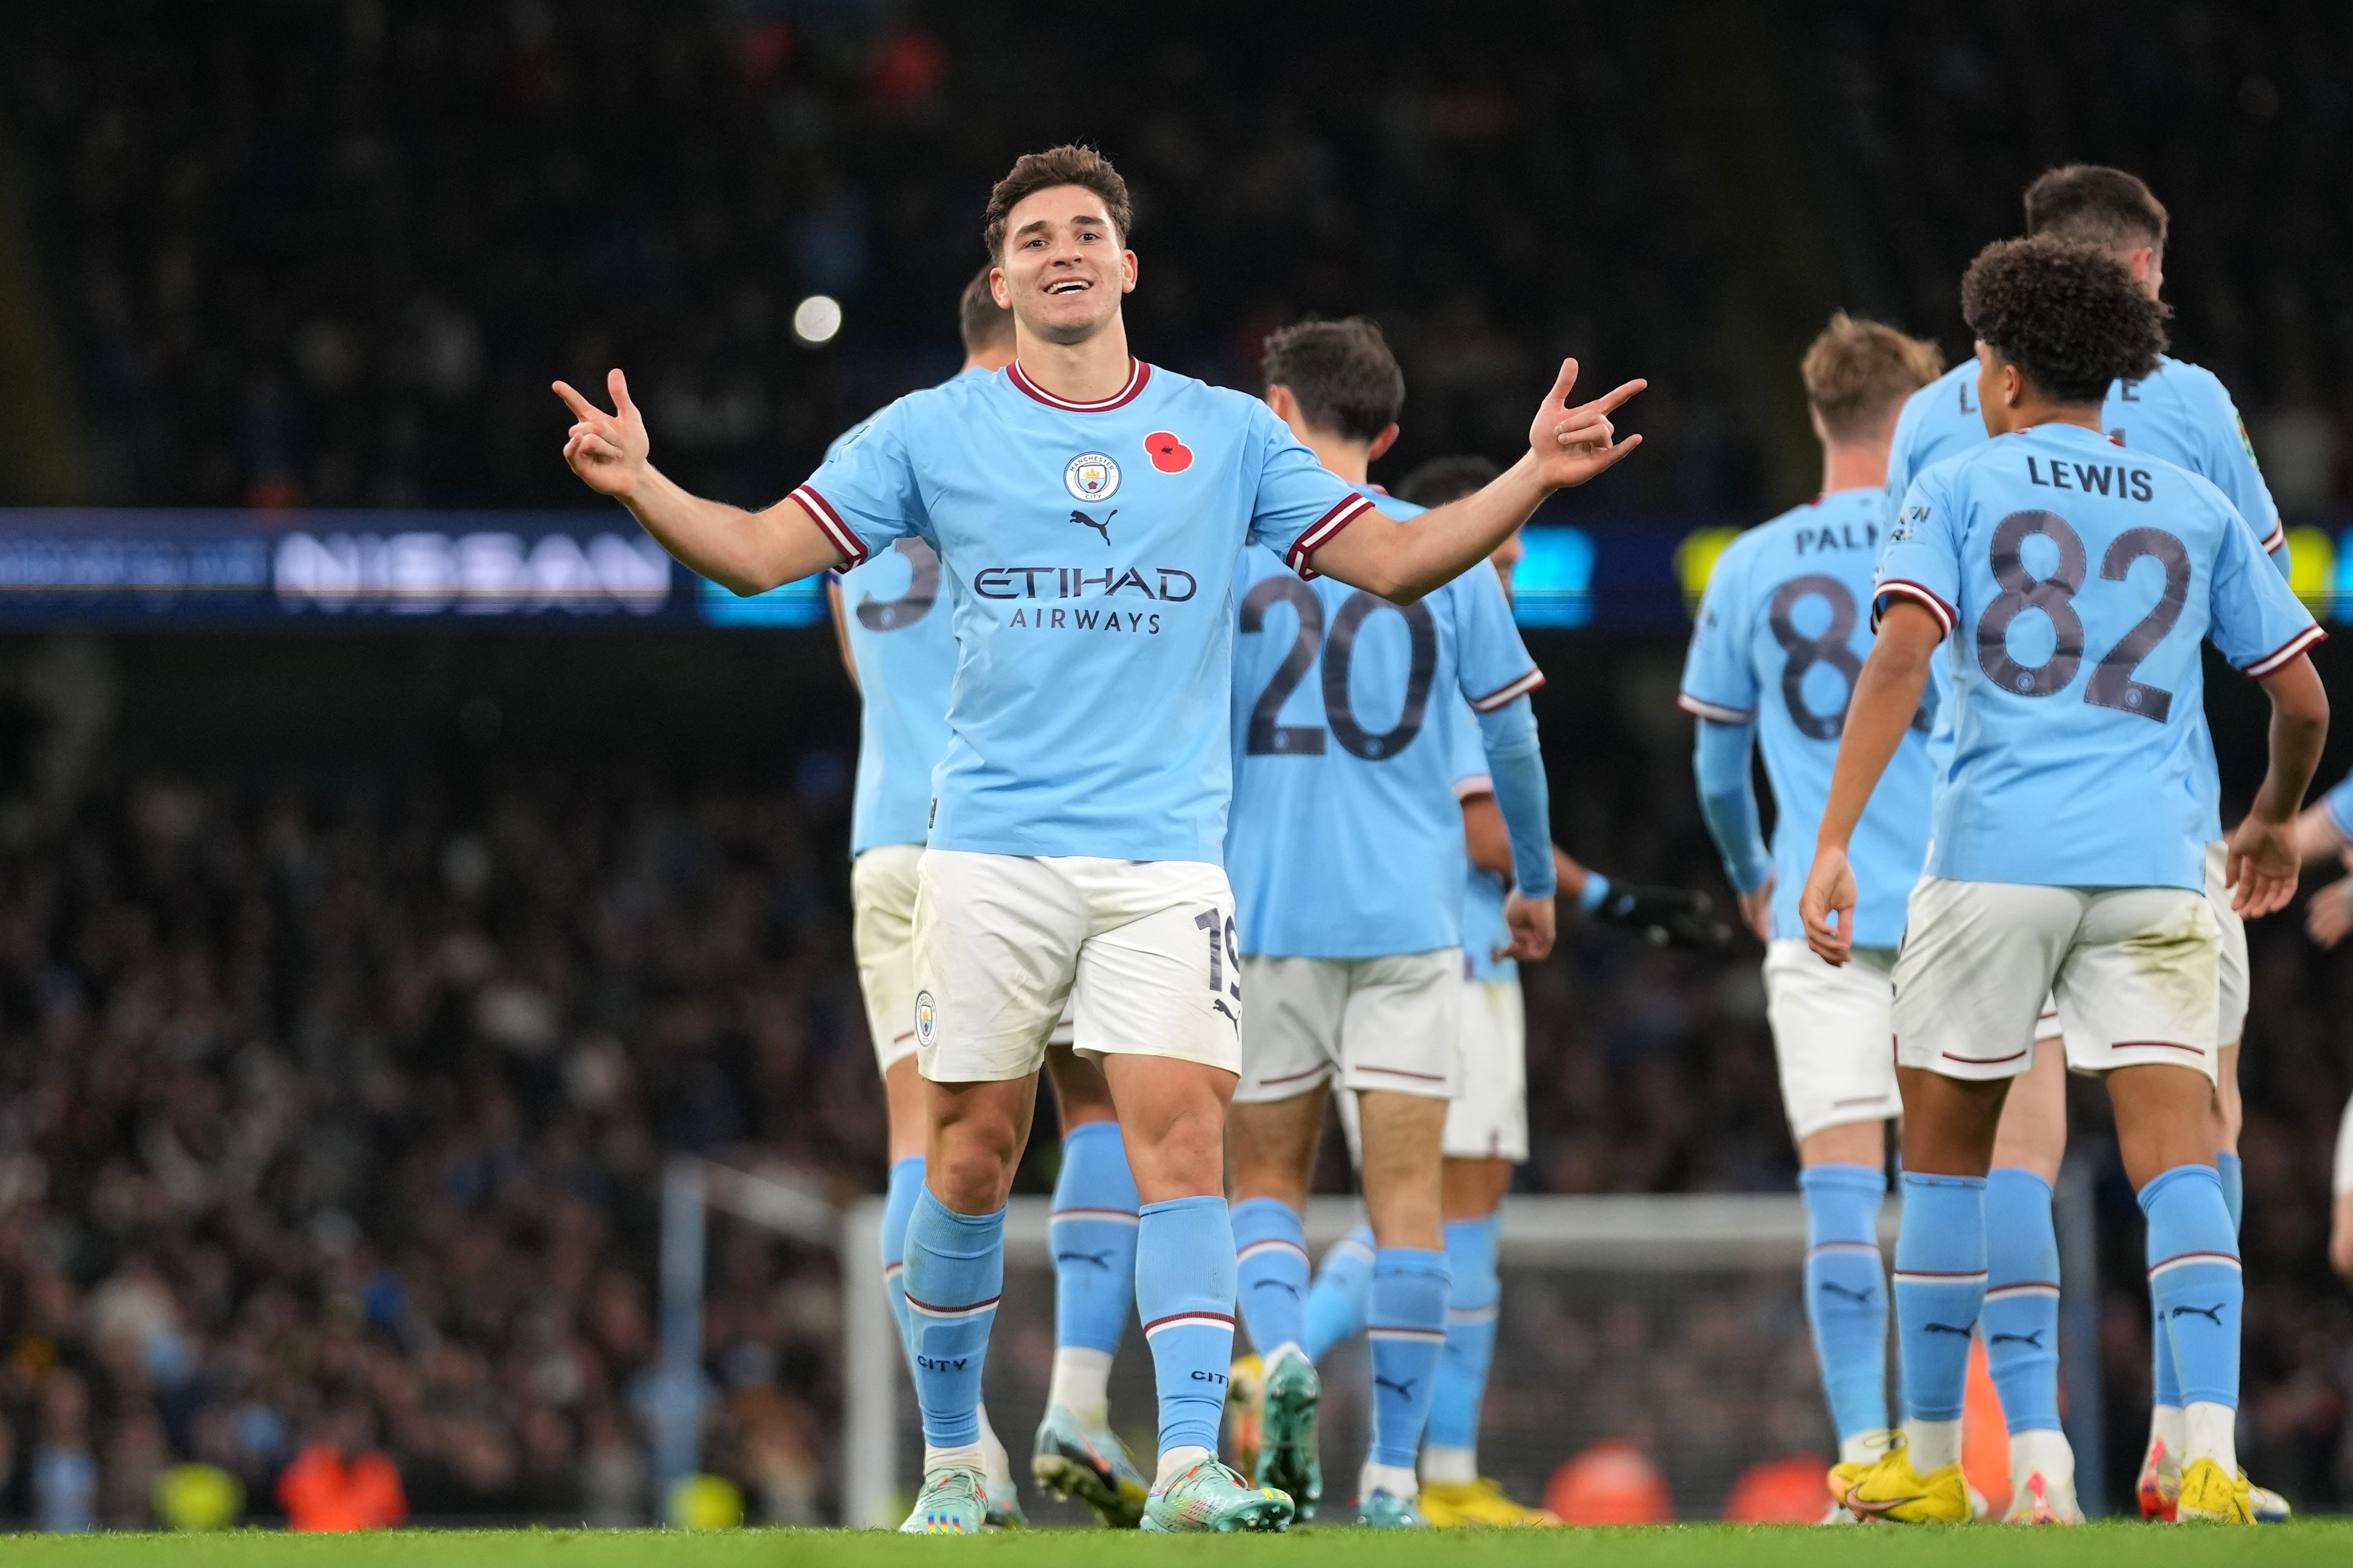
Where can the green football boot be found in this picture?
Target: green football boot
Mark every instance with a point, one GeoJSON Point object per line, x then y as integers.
{"type": "Point", "coordinates": [1074, 1460]}
{"type": "Point", "coordinates": [1287, 1458]}
{"type": "Point", "coordinates": [1209, 1497]}
{"type": "Point", "coordinates": [952, 1503]}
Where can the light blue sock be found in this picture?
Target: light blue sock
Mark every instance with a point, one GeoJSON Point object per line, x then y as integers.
{"type": "Point", "coordinates": [1093, 1232]}
{"type": "Point", "coordinates": [1846, 1292]}
{"type": "Point", "coordinates": [1271, 1272]}
{"type": "Point", "coordinates": [1940, 1281]}
{"type": "Point", "coordinates": [1406, 1324]}
{"type": "Point", "coordinates": [955, 1270]}
{"type": "Point", "coordinates": [1335, 1305]}
{"type": "Point", "coordinates": [2021, 1300]}
{"type": "Point", "coordinates": [898, 1204]}
{"type": "Point", "coordinates": [1470, 1332]}
{"type": "Point", "coordinates": [1185, 1293]}
{"type": "Point", "coordinates": [2234, 1177]}
{"type": "Point", "coordinates": [2193, 1273]}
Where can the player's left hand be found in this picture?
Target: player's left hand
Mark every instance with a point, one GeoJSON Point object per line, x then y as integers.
{"type": "Point", "coordinates": [1667, 917]}
{"type": "Point", "coordinates": [1531, 921]}
{"type": "Point", "coordinates": [2262, 867]}
{"type": "Point", "coordinates": [1830, 890]}
{"type": "Point", "coordinates": [1572, 444]}
{"type": "Point", "coordinates": [1756, 909]}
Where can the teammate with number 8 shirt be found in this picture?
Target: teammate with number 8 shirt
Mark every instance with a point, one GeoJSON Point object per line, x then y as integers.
{"type": "Point", "coordinates": [1346, 847]}
{"type": "Point", "coordinates": [2073, 580]}
{"type": "Point", "coordinates": [1776, 647]}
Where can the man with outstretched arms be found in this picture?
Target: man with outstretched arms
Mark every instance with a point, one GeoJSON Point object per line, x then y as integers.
{"type": "Point", "coordinates": [2324, 832]}
{"type": "Point", "coordinates": [897, 647]}
{"type": "Point", "coordinates": [1345, 850]}
{"type": "Point", "coordinates": [2075, 580]}
{"type": "Point", "coordinates": [1089, 513]}
{"type": "Point", "coordinates": [2178, 411]}
{"type": "Point", "coordinates": [1781, 634]}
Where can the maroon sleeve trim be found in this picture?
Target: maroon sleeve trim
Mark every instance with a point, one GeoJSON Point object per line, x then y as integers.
{"type": "Point", "coordinates": [837, 532]}
{"type": "Point", "coordinates": [2273, 662]}
{"type": "Point", "coordinates": [1507, 692]}
{"type": "Point", "coordinates": [1945, 614]}
{"type": "Point", "coordinates": [1323, 531]}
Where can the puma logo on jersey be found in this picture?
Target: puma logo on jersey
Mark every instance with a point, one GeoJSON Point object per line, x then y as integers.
{"type": "Point", "coordinates": [1104, 528]}
{"type": "Point", "coordinates": [2213, 1315]}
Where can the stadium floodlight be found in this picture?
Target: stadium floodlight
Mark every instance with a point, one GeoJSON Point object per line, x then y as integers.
{"type": "Point", "coordinates": [1642, 1290]}
{"type": "Point", "coordinates": [816, 319]}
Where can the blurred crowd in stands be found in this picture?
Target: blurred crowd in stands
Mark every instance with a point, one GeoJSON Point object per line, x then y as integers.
{"type": "Point", "coordinates": [333, 255]}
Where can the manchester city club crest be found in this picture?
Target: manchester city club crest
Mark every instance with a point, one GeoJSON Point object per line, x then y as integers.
{"type": "Point", "coordinates": [925, 1017]}
{"type": "Point", "coordinates": [1092, 476]}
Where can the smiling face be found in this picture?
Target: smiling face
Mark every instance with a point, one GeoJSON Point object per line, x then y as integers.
{"type": "Point", "coordinates": [1063, 268]}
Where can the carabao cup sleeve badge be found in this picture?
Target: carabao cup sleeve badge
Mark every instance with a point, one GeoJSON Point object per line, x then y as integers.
{"type": "Point", "coordinates": [1092, 476]}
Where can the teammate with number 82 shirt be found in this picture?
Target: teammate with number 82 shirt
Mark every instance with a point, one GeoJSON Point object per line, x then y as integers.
{"type": "Point", "coordinates": [2071, 582]}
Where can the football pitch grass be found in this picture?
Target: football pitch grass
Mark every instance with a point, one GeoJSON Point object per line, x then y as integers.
{"type": "Point", "coordinates": [2118, 1545]}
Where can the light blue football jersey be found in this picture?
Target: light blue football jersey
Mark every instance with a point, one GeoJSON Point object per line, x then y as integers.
{"type": "Point", "coordinates": [905, 652]}
{"type": "Point", "coordinates": [2074, 580]}
{"type": "Point", "coordinates": [1484, 929]}
{"type": "Point", "coordinates": [1089, 553]}
{"type": "Point", "coordinates": [1346, 838]}
{"type": "Point", "coordinates": [1781, 634]}
{"type": "Point", "coordinates": [2180, 412]}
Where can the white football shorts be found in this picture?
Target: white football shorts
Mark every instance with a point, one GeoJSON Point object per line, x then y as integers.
{"type": "Point", "coordinates": [1388, 1023]}
{"type": "Point", "coordinates": [1144, 953]}
{"type": "Point", "coordinates": [882, 935]}
{"type": "Point", "coordinates": [2232, 985]}
{"type": "Point", "coordinates": [1833, 1036]}
{"type": "Point", "coordinates": [1488, 1120]}
{"type": "Point", "coordinates": [2136, 971]}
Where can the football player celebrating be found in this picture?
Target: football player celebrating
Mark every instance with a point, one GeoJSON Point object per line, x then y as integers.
{"type": "Point", "coordinates": [1089, 513]}
{"type": "Point", "coordinates": [1345, 849]}
{"type": "Point", "coordinates": [2068, 844]}
{"type": "Point", "coordinates": [1780, 636]}
{"type": "Point", "coordinates": [901, 654]}
{"type": "Point", "coordinates": [2180, 413]}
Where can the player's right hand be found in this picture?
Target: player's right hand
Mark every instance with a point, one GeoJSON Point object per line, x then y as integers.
{"type": "Point", "coordinates": [1829, 891]}
{"type": "Point", "coordinates": [1756, 910]}
{"type": "Point", "coordinates": [607, 450]}
{"type": "Point", "coordinates": [2263, 867]}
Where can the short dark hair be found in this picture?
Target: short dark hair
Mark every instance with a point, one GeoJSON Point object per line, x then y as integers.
{"type": "Point", "coordinates": [2091, 204]}
{"type": "Point", "coordinates": [1442, 479]}
{"type": "Point", "coordinates": [984, 322]}
{"type": "Point", "coordinates": [2070, 317]}
{"type": "Point", "coordinates": [1858, 372]}
{"type": "Point", "coordinates": [1070, 165]}
{"type": "Point", "coordinates": [1343, 373]}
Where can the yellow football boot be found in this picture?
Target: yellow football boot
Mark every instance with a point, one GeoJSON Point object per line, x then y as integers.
{"type": "Point", "coordinates": [1245, 1408]}
{"type": "Point", "coordinates": [2213, 1494]}
{"type": "Point", "coordinates": [1846, 1472]}
{"type": "Point", "coordinates": [1455, 1504]}
{"type": "Point", "coordinates": [1892, 1490]}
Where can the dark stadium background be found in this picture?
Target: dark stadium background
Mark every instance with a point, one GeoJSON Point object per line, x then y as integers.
{"type": "Point", "coordinates": [353, 982]}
